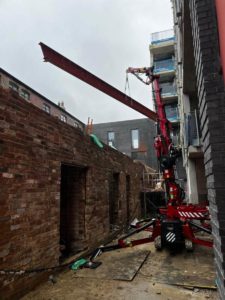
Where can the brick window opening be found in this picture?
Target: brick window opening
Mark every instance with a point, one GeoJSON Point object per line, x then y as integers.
{"type": "Point", "coordinates": [13, 86]}
{"type": "Point", "coordinates": [46, 108]}
{"type": "Point", "coordinates": [63, 118]}
{"type": "Point", "coordinates": [72, 209]}
{"type": "Point", "coordinates": [25, 95]}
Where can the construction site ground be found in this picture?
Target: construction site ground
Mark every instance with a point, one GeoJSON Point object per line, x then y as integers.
{"type": "Point", "coordinates": [139, 272]}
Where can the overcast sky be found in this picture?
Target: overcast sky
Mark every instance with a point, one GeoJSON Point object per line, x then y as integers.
{"type": "Point", "coordinates": [103, 36]}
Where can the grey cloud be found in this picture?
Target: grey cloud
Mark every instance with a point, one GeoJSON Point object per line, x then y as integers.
{"type": "Point", "coordinates": [103, 36]}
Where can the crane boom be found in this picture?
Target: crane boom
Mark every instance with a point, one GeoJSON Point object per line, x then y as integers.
{"type": "Point", "coordinates": [72, 68]}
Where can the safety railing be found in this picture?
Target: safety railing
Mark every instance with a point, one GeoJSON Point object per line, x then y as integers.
{"type": "Point", "coordinates": [172, 113]}
{"type": "Point", "coordinates": [152, 181]}
{"type": "Point", "coordinates": [162, 36]}
{"type": "Point", "coordinates": [168, 89]}
{"type": "Point", "coordinates": [164, 65]}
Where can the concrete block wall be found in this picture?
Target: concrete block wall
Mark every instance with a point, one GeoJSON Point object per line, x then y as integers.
{"type": "Point", "coordinates": [123, 143]}
{"type": "Point", "coordinates": [211, 95]}
{"type": "Point", "coordinates": [33, 147]}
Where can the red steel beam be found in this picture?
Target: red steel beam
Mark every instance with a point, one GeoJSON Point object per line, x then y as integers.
{"type": "Point", "coordinates": [70, 67]}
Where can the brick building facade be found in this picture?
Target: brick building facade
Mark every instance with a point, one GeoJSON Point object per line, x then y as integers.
{"type": "Point", "coordinates": [56, 184]}
{"type": "Point", "coordinates": [8, 81]}
{"type": "Point", "coordinates": [202, 83]}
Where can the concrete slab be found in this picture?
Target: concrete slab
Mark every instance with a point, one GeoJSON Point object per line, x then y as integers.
{"type": "Point", "coordinates": [117, 265]}
{"type": "Point", "coordinates": [149, 282]}
{"type": "Point", "coordinates": [184, 269]}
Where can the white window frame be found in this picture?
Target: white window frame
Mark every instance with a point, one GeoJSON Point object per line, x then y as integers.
{"type": "Point", "coordinates": [46, 108]}
{"type": "Point", "coordinates": [25, 94]}
{"type": "Point", "coordinates": [135, 141]}
{"type": "Point", "coordinates": [13, 86]}
{"type": "Point", "coordinates": [63, 118]}
{"type": "Point", "coordinates": [111, 141]}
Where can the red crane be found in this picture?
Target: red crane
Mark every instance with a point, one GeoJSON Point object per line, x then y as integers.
{"type": "Point", "coordinates": [174, 225]}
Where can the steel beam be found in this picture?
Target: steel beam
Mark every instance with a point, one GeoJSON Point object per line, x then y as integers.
{"type": "Point", "coordinates": [70, 67]}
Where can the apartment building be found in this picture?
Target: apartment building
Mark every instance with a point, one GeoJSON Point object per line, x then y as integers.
{"type": "Point", "coordinates": [186, 126]}
{"type": "Point", "coordinates": [135, 138]}
{"type": "Point", "coordinates": [162, 57]}
{"type": "Point", "coordinates": [8, 81]}
{"type": "Point", "coordinates": [200, 63]}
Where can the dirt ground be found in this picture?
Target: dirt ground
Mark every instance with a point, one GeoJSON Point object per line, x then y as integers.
{"type": "Point", "coordinates": [137, 273]}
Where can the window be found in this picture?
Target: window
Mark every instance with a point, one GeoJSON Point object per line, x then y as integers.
{"type": "Point", "coordinates": [63, 118]}
{"type": "Point", "coordinates": [25, 95]}
{"type": "Point", "coordinates": [13, 86]}
{"type": "Point", "coordinates": [46, 108]}
{"type": "Point", "coordinates": [111, 138]}
{"type": "Point", "coordinates": [135, 138]}
{"type": "Point", "coordinates": [76, 124]}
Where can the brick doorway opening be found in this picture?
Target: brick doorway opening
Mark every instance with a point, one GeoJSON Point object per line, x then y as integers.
{"type": "Point", "coordinates": [72, 209]}
{"type": "Point", "coordinates": [113, 200]}
{"type": "Point", "coordinates": [128, 198]}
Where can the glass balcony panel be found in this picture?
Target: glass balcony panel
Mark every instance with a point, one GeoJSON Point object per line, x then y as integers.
{"type": "Point", "coordinates": [172, 113]}
{"type": "Point", "coordinates": [164, 65]}
{"type": "Point", "coordinates": [162, 36]}
{"type": "Point", "coordinates": [168, 89]}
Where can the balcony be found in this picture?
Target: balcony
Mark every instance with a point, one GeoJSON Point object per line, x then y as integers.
{"type": "Point", "coordinates": [166, 65]}
{"type": "Point", "coordinates": [162, 36]}
{"type": "Point", "coordinates": [168, 89]}
{"type": "Point", "coordinates": [172, 113]}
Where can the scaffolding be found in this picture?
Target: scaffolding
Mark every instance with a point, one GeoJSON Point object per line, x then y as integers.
{"type": "Point", "coordinates": [152, 190]}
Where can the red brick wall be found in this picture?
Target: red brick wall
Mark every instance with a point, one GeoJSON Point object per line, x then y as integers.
{"type": "Point", "coordinates": [32, 148]}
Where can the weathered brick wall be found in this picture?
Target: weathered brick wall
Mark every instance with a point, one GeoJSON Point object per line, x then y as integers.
{"type": "Point", "coordinates": [212, 112]}
{"type": "Point", "coordinates": [32, 147]}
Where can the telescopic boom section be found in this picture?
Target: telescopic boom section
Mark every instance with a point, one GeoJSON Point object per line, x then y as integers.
{"type": "Point", "coordinates": [70, 67]}
{"type": "Point", "coordinates": [163, 123]}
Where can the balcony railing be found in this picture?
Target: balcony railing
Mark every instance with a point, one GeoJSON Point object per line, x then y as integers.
{"type": "Point", "coordinates": [162, 36]}
{"type": "Point", "coordinates": [168, 89]}
{"type": "Point", "coordinates": [164, 65]}
{"type": "Point", "coordinates": [172, 113]}
{"type": "Point", "coordinates": [192, 129]}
